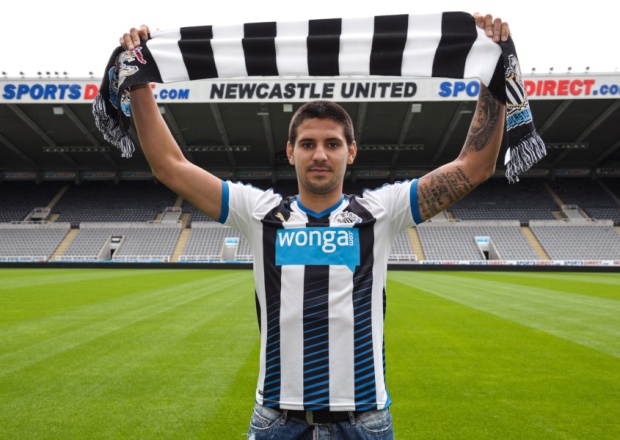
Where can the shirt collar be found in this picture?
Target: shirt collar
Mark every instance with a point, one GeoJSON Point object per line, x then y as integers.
{"type": "Point", "coordinates": [318, 214]}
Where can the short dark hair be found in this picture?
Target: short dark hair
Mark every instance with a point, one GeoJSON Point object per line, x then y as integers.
{"type": "Point", "coordinates": [321, 110]}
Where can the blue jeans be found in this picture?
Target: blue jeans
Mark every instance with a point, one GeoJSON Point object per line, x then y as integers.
{"type": "Point", "coordinates": [271, 424]}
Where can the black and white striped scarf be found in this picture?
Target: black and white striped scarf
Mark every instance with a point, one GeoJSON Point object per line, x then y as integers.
{"type": "Point", "coordinates": [447, 45]}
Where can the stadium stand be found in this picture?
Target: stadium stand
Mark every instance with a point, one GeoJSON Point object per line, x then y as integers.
{"type": "Point", "coordinates": [402, 250]}
{"type": "Point", "coordinates": [594, 240]}
{"type": "Point", "coordinates": [285, 187]}
{"type": "Point", "coordinates": [613, 185]}
{"type": "Point", "coordinates": [19, 198]}
{"type": "Point", "coordinates": [591, 196]}
{"type": "Point", "coordinates": [456, 240]}
{"type": "Point", "coordinates": [139, 242]}
{"type": "Point", "coordinates": [129, 209]}
{"type": "Point", "coordinates": [30, 242]}
{"type": "Point", "coordinates": [206, 240]}
{"type": "Point", "coordinates": [94, 201]}
{"type": "Point", "coordinates": [496, 199]}
{"type": "Point", "coordinates": [195, 215]}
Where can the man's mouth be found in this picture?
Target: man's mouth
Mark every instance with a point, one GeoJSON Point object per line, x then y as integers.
{"type": "Point", "coordinates": [320, 169]}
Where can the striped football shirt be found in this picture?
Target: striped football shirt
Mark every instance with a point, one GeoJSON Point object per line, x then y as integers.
{"type": "Point", "coordinates": [320, 290]}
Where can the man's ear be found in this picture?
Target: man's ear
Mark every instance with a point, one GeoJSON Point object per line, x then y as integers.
{"type": "Point", "coordinates": [289, 153]}
{"type": "Point", "coordinates": [352, 153]}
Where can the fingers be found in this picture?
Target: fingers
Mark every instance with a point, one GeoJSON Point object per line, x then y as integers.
{"type": "Point", "coordinates": [505, 32]}
{"type": "Point", "coordinates": [493, 28]}
{"type": "Point", "coordinates": [134, 37]}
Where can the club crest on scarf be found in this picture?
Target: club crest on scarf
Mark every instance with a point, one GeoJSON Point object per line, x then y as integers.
{"type": "Point", "coordinates": [119, 72]}
{"type": "Point", "coordinates": [517, 106]}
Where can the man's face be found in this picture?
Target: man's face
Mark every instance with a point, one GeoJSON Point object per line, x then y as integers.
{"type": "Point", "coordinates": [320, 156]}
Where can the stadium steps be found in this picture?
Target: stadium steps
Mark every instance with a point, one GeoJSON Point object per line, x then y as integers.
{"type": "Point", "coordinates": [57, 197]}
{"type": "Point", "coordinates": [179, 202]}
{"type": "Point", "coordinates": [182, 243]}
{"type": "Point", "coordinates": [64, 244]}
{"type": "Point", "coordinates": [555, 196]}
{"type": "Point", "coordinates": [180, 247]}
{"type": "Point", "coordinates": [53, 218]}
{"type": "Point", "coordinates": [416, 245]}
{"type": "Point", "coordinates": [531, 238]}
{"type": "Point", "coordinates": [185, 219]}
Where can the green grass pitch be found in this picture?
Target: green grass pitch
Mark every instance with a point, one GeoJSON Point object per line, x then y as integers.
{"type": "Point", "coordinates": [173, 354]}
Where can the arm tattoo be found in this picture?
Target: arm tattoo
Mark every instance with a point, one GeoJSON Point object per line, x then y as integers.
{"type": "Point", "coordinates": [482, 125]}
{"type": "Point", "coordinates": [442, 189]}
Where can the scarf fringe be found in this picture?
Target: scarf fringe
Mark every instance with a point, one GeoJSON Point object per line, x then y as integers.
{"type": "Point", "coordinates": [524, 155]}
{"type": "Point", "coordinates": [111, 128]}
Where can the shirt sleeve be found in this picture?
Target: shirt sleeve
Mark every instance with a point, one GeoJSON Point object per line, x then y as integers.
{"type": "Point", "coordinates": [399, 201]}
{"type": "Point", "coordinates": [245, 205]}
{"type": "Point", "coordinates": [413, 199]}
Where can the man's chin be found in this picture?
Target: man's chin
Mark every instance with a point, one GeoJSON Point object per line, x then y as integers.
{"type": "Point", "coordinates": [320, 187]}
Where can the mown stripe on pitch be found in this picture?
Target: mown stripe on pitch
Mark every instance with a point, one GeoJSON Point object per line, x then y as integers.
{"type": "Point", "coordinates": [582, 319]}
{"type": "Point", "coordinates": [36, 340]}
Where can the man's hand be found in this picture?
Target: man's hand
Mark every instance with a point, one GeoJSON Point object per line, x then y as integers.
{"type": "Point", "coordinates": [496, 29]}
{"type": "Point", "coordinates": [134, 37]}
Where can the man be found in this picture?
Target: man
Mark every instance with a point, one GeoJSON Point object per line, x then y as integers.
{"type": "Point", "coordinates": [320, 258]}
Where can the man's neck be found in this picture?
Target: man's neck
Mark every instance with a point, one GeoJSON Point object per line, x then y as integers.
{"type": "Point", "coordinates": [319, 202]}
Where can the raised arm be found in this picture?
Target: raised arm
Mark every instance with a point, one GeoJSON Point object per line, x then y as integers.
{"type": "Point", "coordinates": [451, 182]}
{"type": "Point", "coordinates": [201, 188]}
{"type": "Point", "coordinates": [476, 163]}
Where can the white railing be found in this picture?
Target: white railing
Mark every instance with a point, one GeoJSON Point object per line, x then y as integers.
{"type": "Point", "coordinates": [76, 258]}
{"type": "Point", "coordinates": [23, 259]}
{"type": "Point", "coordinates": [201, 258]}
{"type": "Point", "coordinates": [141, 258]}
{"type": "Point", "coordinates": [213, 259]}
{"type": "Point", "coordinates": [402, 257]}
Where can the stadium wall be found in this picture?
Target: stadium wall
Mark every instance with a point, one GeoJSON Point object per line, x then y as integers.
{"type": "Point", "coordinates": [478, 266]}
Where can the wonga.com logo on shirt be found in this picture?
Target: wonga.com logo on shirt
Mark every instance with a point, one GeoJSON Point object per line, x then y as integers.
{"type": "Point", "coordinates": [318, 247]}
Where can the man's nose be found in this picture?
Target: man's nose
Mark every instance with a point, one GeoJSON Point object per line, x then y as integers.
{"type": "Point", "coordinates": [320, 154]}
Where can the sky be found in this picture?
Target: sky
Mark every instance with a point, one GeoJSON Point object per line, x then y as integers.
{"type": "Point", "coordinates": [78, 37]}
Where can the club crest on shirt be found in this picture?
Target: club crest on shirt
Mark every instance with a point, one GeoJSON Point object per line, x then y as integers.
{"type": "Point", "coordinates": [347, 218]}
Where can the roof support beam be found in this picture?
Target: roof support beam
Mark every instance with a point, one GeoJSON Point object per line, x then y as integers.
{"type": "Point", "coordinates": [33, 125]}
{"type": "Point", "coordinates": [456, 118]}
{"type": "Point", "coordinates": [263, 112]}
{"type": "Point", "coordinates": [554, 117]}
{"type": "Point", "coordinates": [18, 152]}
{"type": "Point", "coordinates": [38, 130]}
{"type": "Point", "coordinates": [219, 122]}
{"type": "Point", "coordinates": [361, 121]}
{"type": "Point", "coordinates": [404, 129]}
{"type": "Point", "coordinates": [166, 112]}
{"type": "Point", "coordinates": [92, 139]}
{"type": "Point", "coordinates": [584, 134]}
{"type": "Point", "coordinates": [607, 153]}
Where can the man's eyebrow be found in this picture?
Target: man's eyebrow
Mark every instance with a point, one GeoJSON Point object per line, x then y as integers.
{"type": "Point", "coordinates": [337, 139]}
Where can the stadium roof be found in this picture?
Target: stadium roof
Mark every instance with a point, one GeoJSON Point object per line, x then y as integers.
{"type": "Point", "coordinates": [239, 128]}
